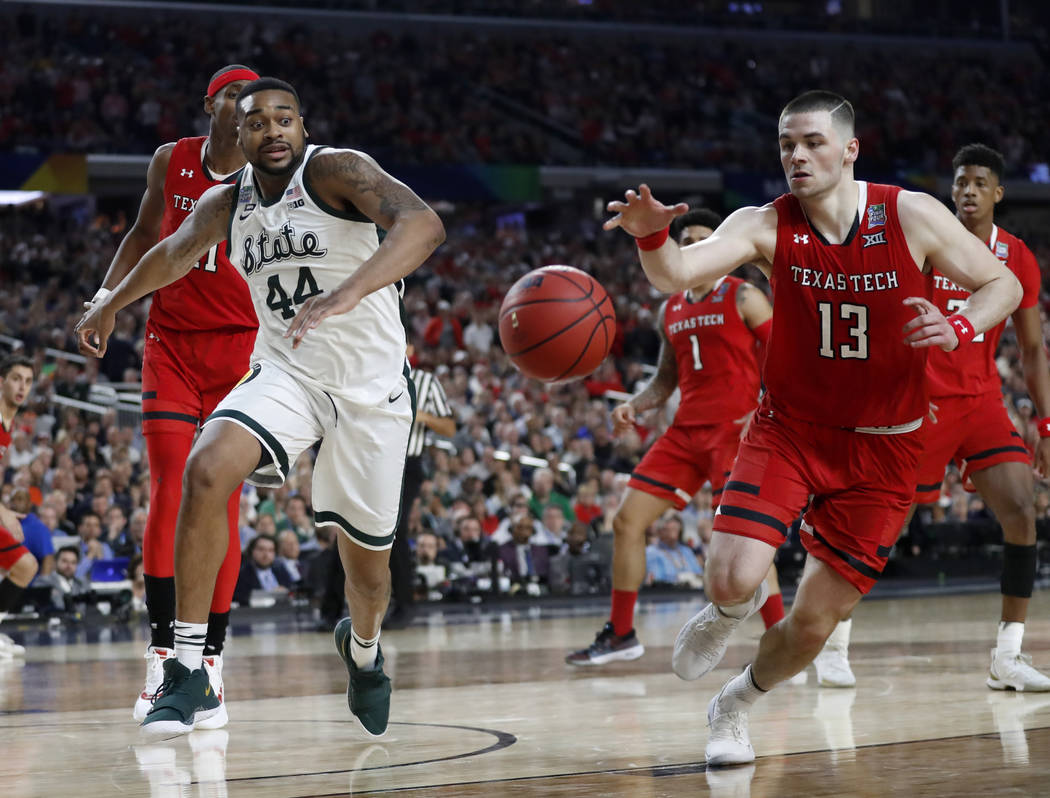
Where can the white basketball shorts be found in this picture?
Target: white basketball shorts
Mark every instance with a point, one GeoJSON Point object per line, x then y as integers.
{"type": "Point", "coordinates": [361, 463]}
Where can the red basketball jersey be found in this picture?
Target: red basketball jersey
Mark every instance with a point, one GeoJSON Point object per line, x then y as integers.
{"type": "Point", "coordinates": [716, 353]}
{"type": "Point", "coordinates": [837, 354]}
{"type": "Point", "coordinates": [970, 370]}
{"type": "Point", "coordinates": [5, 439]}
{"type": "Point", "coordinates": [212, 296]}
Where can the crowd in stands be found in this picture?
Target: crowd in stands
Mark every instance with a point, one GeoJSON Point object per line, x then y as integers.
{"type": "Point", "coordinates": [117, 82]}
{"type": "Point", "coordinates": [520, 498]}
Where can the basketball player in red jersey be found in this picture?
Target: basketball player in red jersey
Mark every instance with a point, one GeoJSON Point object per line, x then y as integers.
{"type": "Point", "coordinates": [850, 264]}
{"type": "Point", "coordinates": [709, 349]}
{"type": "Point", "coordinates": [199, 337]}
{"type": "Point", "coordinates": [17, 563]}
{"type": "Point", "coordinates": [973, 427]}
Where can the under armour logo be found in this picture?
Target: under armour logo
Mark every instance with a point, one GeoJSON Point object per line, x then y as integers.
{"type": "Point", "coordinates": [187, 173]}
{"type": "Point", "coordinates": [963, 328]}
{"type": "Point", "coordinates": [676, 307]}
{"type": "Point", "coordinates": [801, 239]}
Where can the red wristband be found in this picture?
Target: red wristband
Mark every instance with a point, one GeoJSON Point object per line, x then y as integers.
{"type": "Point", "coordinates": [1044, 427]}
{"type": "Point", "coordinates": [653, 241]}
{"type": "Point", "coordinates": [963, 329]}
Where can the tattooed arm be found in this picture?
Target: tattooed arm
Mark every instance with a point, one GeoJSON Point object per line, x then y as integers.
{"type": "Point", "coordinates": [166, 262]}
{"type": "Point", "coordinates": [349, 180]}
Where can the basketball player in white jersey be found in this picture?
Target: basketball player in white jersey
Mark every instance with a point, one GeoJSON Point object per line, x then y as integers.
{"type": "Point", "coordinates": [329, 364]}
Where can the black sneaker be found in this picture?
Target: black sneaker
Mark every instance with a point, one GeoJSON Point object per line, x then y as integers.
{"type": "Point", "coordinates": [608, 647]}
{"type": "Point", "coordinates": [184, 699]}
{"type": "Point", "coordinates": [368, 692]}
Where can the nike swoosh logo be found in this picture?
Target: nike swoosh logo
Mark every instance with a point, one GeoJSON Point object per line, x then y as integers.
{"type": "Point", "coordinates": [391, 401]}
{"type": "Point", "coordinates": [242, 217]}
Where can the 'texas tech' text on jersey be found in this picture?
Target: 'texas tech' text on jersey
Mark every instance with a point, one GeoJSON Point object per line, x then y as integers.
{"type": "Point", "coordinates": [837, 351]}
{"type": "Point", "coordinates": [296, 247]}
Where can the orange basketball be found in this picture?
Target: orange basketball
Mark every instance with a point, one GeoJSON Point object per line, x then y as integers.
{"type": "Point", "coordinates": [557, 324]}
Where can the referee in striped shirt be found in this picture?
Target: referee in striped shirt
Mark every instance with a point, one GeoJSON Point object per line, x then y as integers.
{"type": "Point", "coordinates": [433, 415]}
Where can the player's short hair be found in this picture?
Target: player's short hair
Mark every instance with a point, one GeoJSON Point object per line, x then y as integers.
{"type": "Point", "coordinates": [980, 155]}
{"type": "Point", "coordinates": [704, 217]}
{"type": "Point", "coordinates": [11, 361]}
{"type": "Point", "coordinates": [267, 84]}
{"type": "Point", "coordinates": [819, 100]}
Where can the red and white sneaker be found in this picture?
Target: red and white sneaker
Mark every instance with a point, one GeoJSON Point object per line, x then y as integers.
{"type": "Point", "coordinates": [155, 658]}
{"type": "Point", "coordinates": [213, 665]}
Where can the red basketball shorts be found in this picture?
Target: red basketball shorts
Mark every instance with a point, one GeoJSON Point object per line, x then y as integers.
{"type": "Point", "coordinates": [186, 374]}
{"type": "Point", "coordinates": [860, 484]}
{"type": "Point", "coordinates": [973, 431]}
{"type": "Point", "coordinates": [11, 550]}
{"type": "Point", "coordinates": [684, 458]}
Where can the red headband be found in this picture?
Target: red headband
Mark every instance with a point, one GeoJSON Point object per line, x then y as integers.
{"type": "Point", "coordinates": [229, 77]}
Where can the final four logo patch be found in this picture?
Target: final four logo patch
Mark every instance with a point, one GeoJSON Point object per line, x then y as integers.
{"type": "Point", "coordinates": [1002, 250]}
{"type": "Point", "coordinates": [876, 215]}
{"type": "Point", "coordinates": [245, 195]}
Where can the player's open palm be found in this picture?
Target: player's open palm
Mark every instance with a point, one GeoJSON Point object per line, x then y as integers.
{"type": "Point", "coordinates": [642, 214]}
{"type": "Point", "coordinates": [93, 330]}
{"type": "Point", "coordinates": [317, 309]}
{"type": "Point", "coordinates": [623, 418]}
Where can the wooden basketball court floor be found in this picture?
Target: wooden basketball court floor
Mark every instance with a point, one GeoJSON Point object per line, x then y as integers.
{"type": "Point", "coordinates": [489, 708]}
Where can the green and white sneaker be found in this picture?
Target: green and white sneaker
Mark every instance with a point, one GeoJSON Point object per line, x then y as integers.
{"type": "Point", "coordinates": [185, 699]}
{"type": "Point", "coordinates": [368, 692]}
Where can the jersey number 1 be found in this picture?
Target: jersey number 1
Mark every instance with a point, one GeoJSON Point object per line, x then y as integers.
{"type": "Point", "coordinates": [277, 299]}
{"type": "Point", "coordinates": [858, 331]}
{"type": "Point", "coordinates": [697, 363]}
{"type": "Point", "coordinates": [208, 261]}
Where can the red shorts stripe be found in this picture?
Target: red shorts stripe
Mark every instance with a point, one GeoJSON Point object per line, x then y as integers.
{"type": "Point", "coordinates": [11, 549]}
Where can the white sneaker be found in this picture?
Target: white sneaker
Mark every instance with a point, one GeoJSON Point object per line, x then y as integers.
{"type": "Point", "coordinates": [9, 649]}
{"type": "Point", "coordinates": [729, 742]}
{"type": "Point", "coordinates": [1016, 673]}
{"type": "Point", "coordinates": [833, 669]}
{"type": "Point", "coordinates": [702, 642]}
{"type": "Point", "coordinates": [213, 665]}
{"type": "Point", "coordinates": [155, 657]}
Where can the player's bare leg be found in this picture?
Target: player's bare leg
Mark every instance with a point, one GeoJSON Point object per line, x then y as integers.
{"type": "Point", "coordinates": [824, 598]}
{"type": "Point", "coordinates": [357, 637]}
{"type": "Point", "coordinates": [734, 581]}
{"type": "Point", "coordinates": [224, 455]}
{"type": "Point", "coordinates": [1008, 489]}
{"type": "Point", "coordinates": [617, 640]}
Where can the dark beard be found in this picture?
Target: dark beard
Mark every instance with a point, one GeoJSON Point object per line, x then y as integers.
{"type": "Point", "coordinates": [283, 170]}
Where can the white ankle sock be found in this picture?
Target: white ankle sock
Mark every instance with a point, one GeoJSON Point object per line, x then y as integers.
{"type": "Point", "coordinates": [1008, 641]}
{"type": "Point", "coordinates": [738, 611]}
{"type": "Point", "coordinates": [363, 652]}
{"type": "Point", "coordinates": [741, 692]}
{"type": "Point", "coordinates": [189, 643]}
{"type": "Point", "coordinates": [839, 638]}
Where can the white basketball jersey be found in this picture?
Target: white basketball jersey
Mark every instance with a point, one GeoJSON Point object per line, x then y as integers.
{"type": "Point", "coordinates": [296, 247]}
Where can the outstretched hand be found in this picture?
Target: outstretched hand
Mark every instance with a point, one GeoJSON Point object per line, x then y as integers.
{"type": "Point", "coordinates": [929, 327]}
{"type": "Point", "coordinates": [642, 214]}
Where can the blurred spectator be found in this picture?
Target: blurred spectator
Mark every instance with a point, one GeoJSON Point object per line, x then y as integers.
{"type": "Point", "coordinates": [130, 541]}
{"type": "Point", "coordinates": [524, 561]}
{"type": "Point", "coordinates": [261, 571]}
{"type": "Point", "coordinates": [92, 547]}
{"type": "Point", "coordinates": [444, 330]}
{"type": "Point", "coordinates": [577, 568]}
{"type": "Point", "coordinates": [468, 546]}
{"type": "Point", "coordinates": [37, 537]}
{"type": "Point", "coordinates": [137, 575]}
{"type": "Point", "coordinates": [543, 493]}
{"type": "Point", "coordinates": [553, 527]}
{"type": "Point", "coordinates": [288, 551]}
{"type": "Point", "coordinates": [65, 583]}
{"type": "Point", "coordinates": [669, 561]}
{"type": "Point", "coordinates": [298, 520]}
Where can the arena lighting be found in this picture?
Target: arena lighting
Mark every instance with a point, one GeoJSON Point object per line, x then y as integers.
{"type": "Point", "coordinates": [20, 197]}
